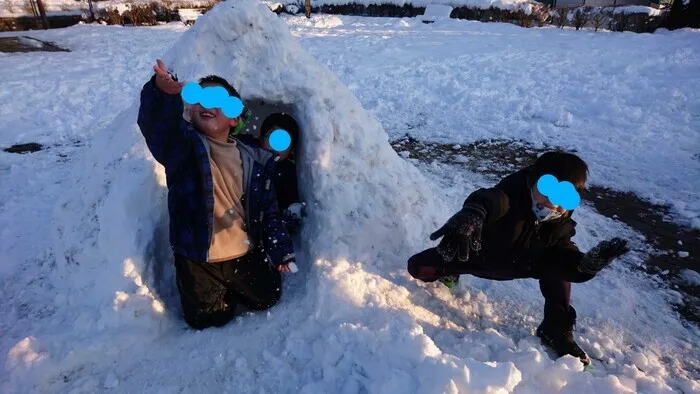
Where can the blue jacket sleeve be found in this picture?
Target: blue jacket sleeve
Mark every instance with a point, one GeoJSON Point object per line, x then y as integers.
{"type": "Point", "coordinates": [276, 238]}
{"type": "Point", "coordinates": [161, 123]}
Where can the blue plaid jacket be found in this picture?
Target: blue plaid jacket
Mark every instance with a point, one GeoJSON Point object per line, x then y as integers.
{"type": "Point", "coordinates": [184, 153]}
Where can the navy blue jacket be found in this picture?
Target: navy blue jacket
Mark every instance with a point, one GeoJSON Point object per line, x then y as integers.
{"type": "Point", "coordinates": [185, 155]}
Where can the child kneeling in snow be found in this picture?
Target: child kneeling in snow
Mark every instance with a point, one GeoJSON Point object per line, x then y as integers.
{"type": "Point", "coordinates": [513, 231]}
{"type": "Point", "coordinates": [285, 175]}
{"type": "Point", "coordinates": [229, 242]}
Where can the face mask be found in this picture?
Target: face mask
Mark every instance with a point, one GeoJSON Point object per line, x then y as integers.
{"type": "Point", "coordinates": [543, 213]}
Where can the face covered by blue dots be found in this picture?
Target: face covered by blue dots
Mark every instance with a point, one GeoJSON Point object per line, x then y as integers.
{"type": "Point", "coordinates": [213, 97]}
{"type": "Point", "coordinates": [279, 140]}
{"type": "Point", "coordinates": [560, 194]}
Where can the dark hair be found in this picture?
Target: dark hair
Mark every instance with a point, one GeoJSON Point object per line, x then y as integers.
{"type": "Point", "coordinates": [282, 120]}
{"type": "Point", "coordinates": [220, 81]}
{"type": "Point", "coordinates": [564, 166]}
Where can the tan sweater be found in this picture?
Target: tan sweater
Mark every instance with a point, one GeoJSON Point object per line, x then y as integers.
{"type": "Point", "coordinates": [229, 238]}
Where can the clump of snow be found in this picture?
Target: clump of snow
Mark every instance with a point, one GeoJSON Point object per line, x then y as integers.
{"type": "Point", "coordinates": [638, 9]}
{"type": "Point", "coordinates": [683, 254]}
{"type": "Point", "coordinates": [435, 12]}
{"type": "Point", "coordinates": [292, 9]}
{"type": "Point", "coordinates": [30, 42]}
{"type": "Point", "coordinates": [691, 277]}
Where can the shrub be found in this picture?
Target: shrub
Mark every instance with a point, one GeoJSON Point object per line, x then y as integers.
{"type": "Point", "coordinates": [581, 16]}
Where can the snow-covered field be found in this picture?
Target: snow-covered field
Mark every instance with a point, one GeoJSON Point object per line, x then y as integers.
{"type": "Point", "coordinates": [88, 302]}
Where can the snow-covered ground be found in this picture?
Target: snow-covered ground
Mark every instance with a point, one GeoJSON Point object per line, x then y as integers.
{"type": "Point", "coordinates": [88, 299]}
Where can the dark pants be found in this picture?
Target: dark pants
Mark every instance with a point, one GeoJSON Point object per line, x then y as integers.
{"type": "Point", "coordinates": [211, 293]}
{"type": "Point", "coordinates": [428, 266]}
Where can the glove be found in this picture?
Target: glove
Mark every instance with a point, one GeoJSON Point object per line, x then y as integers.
{"type": "Point", "coordinates": [600, 256]}
{"type": "Point", "coordinates": [461, 233]}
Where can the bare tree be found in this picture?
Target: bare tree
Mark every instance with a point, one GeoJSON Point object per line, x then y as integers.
{"type": "Point", "coordinates": [307, 8]}
{"type": "Point", "coordinates": [42, 12]}
{"type": "Point", "coordinates": [562, 18]}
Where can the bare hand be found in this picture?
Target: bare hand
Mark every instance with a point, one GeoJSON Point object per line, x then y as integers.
{"type": "Point", "coordinates": [283, 268]}
{"type": "Point", "coordinates": [165, 81]}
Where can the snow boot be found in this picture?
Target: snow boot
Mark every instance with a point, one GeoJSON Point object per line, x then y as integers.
{"type": "Point", "coordinates": [557, 332]}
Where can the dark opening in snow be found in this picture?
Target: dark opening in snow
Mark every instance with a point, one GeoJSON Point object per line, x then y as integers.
{"type": "Point", "coordinates": [27, 44]}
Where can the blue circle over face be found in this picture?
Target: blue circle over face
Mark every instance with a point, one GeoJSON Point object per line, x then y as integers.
{"type": "Point", "coordinates": [562, 194]}
{"type": "Point", "coordinates": [232, 108]}
{"type": "Point", "coordinates": [547, 184]}
{"type": "Point", "coordinates": [191, 93]}
{"type": "Point", "coordinates": [213, 97]}
{"type": "Point", "coordinates": [280, 140]}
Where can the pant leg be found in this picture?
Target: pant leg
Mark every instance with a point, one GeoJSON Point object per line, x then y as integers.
{"type": "Point", "coordinates": [429, 266]}
{"type": "Point", "coordinates": [252, 282]}
{"type": "Point", "coordinates": [557, 297]}
{"type": "Point", "coordinates": [203, 294]}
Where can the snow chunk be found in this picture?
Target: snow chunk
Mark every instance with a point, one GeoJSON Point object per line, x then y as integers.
{"type": "Point", "coordinates": [435, 12]}
{"type": "Point", "coordinates": [111, 381]}
{"type": "Point", "coordinates": [691, 277]}
{"type": "Point", "coordinates": [683, 254]}
{"type": "Point", "coordinates": [638, 9]}
{"type": "Point", "coordinates": [30, 42]}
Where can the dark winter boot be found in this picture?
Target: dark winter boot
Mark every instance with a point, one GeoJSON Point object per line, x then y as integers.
{"type": "Point", "coordinates": [557, 332]}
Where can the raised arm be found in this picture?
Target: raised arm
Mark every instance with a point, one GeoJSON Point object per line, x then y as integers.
{"type": "Point", "coordinates": [160, 118]}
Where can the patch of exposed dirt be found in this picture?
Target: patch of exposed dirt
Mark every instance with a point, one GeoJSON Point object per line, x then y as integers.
{"type": "Point", "coordinates": [24, 148]}
{"type": "Point", "coordinates": [27, 44]}
{"type": "Point", "coordinates": [501, 157]}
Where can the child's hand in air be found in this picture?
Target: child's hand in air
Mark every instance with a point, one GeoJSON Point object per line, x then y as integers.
{"type": "Point", "coordinates": [165, 80]}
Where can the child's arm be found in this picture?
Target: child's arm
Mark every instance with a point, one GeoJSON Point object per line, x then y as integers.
{"type": "Point", "coordinates": [277, 242]}
{"type": "Point", "coordinates": [492, 203]}
{"type": "Point", "coordinates": [160, 118]}
{"type": "Point", "coordinates": [562, 261]}
{"type": "Point", "coordinates": [565, 261]}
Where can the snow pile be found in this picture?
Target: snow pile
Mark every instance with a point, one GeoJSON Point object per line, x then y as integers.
{"type": "Point", "coordinates": [637, 9]}
{"type": "Point", "coordinates": [436, 12]}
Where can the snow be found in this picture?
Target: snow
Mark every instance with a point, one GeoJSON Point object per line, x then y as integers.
{"type": "Point", "coordinates": [690, 277]}
{"type": "Point", "coordinates": [482, 84]}
{"type": "Point", "coordinates": [683, 254]}
{"type": "Point", "coordinates": [638, 9]}
{"type": "Point", "coordinates": [86, 278]}
{"type": "Point", "coordinates": [435, 12]}
{"type": "Point", "coordinates": [30, 42]}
